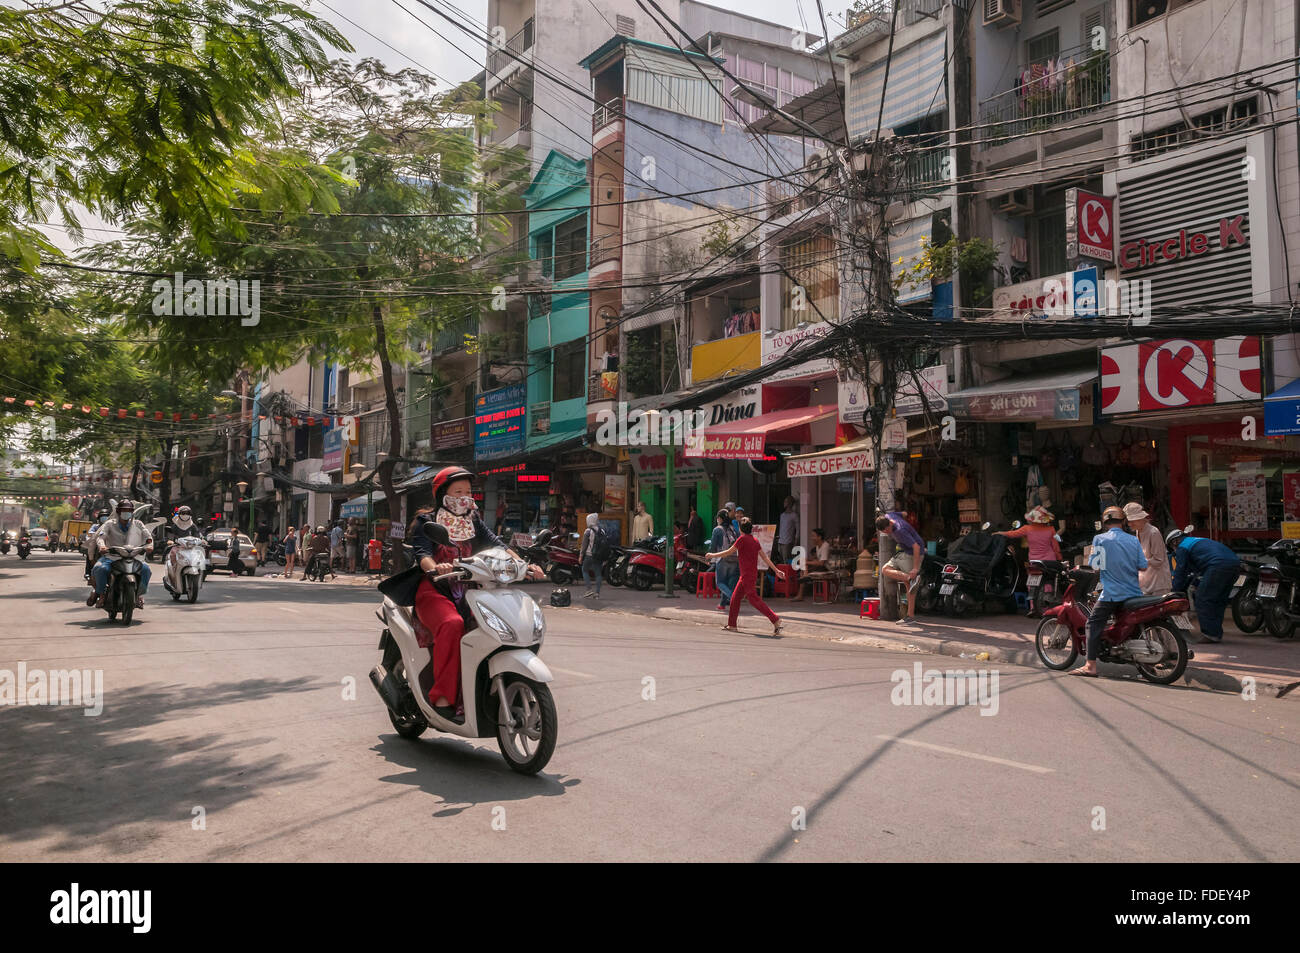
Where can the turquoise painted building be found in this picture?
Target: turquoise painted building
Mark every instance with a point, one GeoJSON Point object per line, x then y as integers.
{"type": "Point", "coordinates": [559, 321]}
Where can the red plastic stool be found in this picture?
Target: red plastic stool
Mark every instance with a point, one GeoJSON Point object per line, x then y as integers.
{"type": "Point", "coordinates": [870, 608]}
{"type": "Point", "coordinates": [706, 586]}
{"type": "Point", "coordinates": [825, 590]}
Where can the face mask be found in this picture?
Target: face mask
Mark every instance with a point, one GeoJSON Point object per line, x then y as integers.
{"type": "Point", "coordinates": [123, 520]}
{"type": "Point", "coordinates": [459, 505]}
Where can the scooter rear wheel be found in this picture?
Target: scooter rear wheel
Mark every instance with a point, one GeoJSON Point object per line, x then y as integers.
{"type": "Point", "coordinates": [1248, 610]}
{"type": "Point", "coordinates": [411, 727]}
{"type": "Point", "coordinates": [1280, 624]}
{"type": "Point", "coordinates": [1055, 645]}
{"type": "Point", "coordinates": [529, 745]}
{"type": "Point", "coordinates": [1171, 669]}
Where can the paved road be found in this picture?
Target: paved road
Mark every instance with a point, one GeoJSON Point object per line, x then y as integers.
{"type": "Point", "coordinates": [236, 706]}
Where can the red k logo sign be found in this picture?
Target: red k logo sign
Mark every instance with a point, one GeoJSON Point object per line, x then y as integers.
{"type": "Point", "coordinates": [1168, 375]}
{"type": "Point", "coordinates": [1176, 374]}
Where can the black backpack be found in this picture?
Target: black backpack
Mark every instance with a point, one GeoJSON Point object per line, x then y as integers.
{"type": "Point", "coordinates": [599, 544]}
{"type": "Point", "coordinates": [560, 598]}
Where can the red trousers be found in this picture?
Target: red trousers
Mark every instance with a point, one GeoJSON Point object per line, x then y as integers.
{"type": "Point", "coordinates": [440, 616]}
{"type": "Point", "coordinates": [745, 590]}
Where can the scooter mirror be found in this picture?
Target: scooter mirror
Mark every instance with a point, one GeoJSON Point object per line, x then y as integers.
{"type": "Point", "coordinates": [1189, 529]}
{"type": "Point", "coordinates": [1015, 524]}
{"type": "Point", "coordinates": [986, 526]}
{"type": "Point", "coordinates": [1097, 526]}
{"type": "Point", "coordinates": [436, 533]}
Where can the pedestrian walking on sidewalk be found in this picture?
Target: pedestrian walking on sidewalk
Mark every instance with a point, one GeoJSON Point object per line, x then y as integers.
{"type": "Point", "coordinates": [748, 551]}
{"type": "Point", "coordinates": [350, 537]}
{"type": "Point", "coordinates": [727, 571]}
{"type": "Point", "coordinates": [592, 553]}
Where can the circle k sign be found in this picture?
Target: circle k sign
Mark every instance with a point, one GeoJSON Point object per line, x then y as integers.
{"type": "Point", "coordinates": [1167, 375]}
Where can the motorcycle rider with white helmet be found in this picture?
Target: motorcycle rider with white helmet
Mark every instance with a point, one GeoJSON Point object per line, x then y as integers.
{"type": "Point", "coordinates": [125, 531]}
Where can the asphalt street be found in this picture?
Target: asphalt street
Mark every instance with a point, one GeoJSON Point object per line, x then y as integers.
{"type": "Point", "coordinates": [229, 732]}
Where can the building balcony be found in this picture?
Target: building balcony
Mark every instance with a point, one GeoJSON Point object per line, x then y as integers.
{"type": "Point", "coordinates": [713, 359]}
{"type": "Point", "coordinates": [607, 123]}
{"type": "Point", "coordinates": [1040, 100]}
{"type": "Point", "coordinates": [921, 172]}
{"type": "Point", "coordinates": [504, 61]}
{"type": "Point", "coordinates": [452, 337]}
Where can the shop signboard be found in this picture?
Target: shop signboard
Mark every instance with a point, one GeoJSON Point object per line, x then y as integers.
{"type": "Point", "coordinates": [615, 492]}
{"type": "Point", "coordinates": [1053, 403]}
{"type": "Point", "coordinates": [1291, 530]}
{"type": "Point", "coordinates": [1089, 226]}
{"type": "Point", "coordinates": [650, 463]}
{"type": "Point", "coordinates": [777, 344]}
{"type": "Point", "coordinates": [1070, 295]}
{"type": "Point", "coordinates": [1174, 374]}
{"type": "Point", "coordinates": [1247, 499]}
{"type": "Point", "coordinates": [333, 448]}
{"type": "Point", "coordinates": [448, 434]}
{"type": "Point", "coordinates": [934, 383]}
{"type": "Point", "coordinates": [1291, 495]}
{"type": "Point", "coordinates": [853, 398]}
{"type": "Point", "coordinates": [765, 533]}
{"type": "Point", "coordinates": [499, 417]}
{"type": "Point", "coordinates": [831, 464]}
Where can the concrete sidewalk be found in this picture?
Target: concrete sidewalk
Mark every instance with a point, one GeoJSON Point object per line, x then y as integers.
{"type": "Point", "coordinates": [1274, 664]}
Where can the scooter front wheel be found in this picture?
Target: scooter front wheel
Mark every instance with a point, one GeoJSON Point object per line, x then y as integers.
{"type": "Point", "coordinates": [529, 742]}
{"type": "Point", "coordinates": [192, 589]}
{"type": "Point", "coordinates": [1055, 645]}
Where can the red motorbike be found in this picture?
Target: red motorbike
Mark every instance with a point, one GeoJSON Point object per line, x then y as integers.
{"type": "Point", "coordinates": [646, 570]}
{"type": "Point", "coordinates": [1148, 631]}
{"type": "Point", "coordinates": [562, 564]}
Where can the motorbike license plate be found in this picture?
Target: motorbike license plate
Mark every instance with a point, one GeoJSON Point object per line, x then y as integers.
{"type": "Point", "coordinates": [1240, 580]}
{"type": "Point", "coordinates": [1183, 621]}
{"type": "Point", "coordinates": [947, 588]}
{"type": "Point", "coordinates": [1267, 590]}
{"type": "Point", "coordinates": [1035, 580]}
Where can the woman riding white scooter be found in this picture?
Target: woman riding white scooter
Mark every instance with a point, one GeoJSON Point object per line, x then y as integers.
{"type": "Point", "coordinates": [437, 605]}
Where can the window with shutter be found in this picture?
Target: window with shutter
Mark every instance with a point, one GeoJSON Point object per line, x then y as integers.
{"type": "Point", "coordinates": [624, 26]}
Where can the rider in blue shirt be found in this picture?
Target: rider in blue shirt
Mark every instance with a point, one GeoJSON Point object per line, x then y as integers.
{"type": "Point", "coordinates": [1118, 555]}
{"type": "Point", "coordinates": [1217, 566]}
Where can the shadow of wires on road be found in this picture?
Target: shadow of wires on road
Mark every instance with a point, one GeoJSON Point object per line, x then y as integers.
{"type": "Point", "coordinates": [463, 775]}
{"type": "Point", "coordinates": [80, 779]}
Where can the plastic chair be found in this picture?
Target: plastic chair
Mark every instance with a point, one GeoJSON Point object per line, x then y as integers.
{"type": "Point", "coordinates": [706, 585]}
{"type": "Point", "coordinates": [825, 590]}
{"type": "Point", "coordinates": [788, 586]}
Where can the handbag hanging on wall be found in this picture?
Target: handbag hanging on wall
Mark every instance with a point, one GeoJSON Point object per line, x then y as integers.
{"type": "Point", "coordinates": [1143, 454]}
{"type": "Point", "coordinates": [1047, 457]}
{"type": "Point", "coordinates": [1094, 452]}
{"type": "Point", "coordinates": [1067, 457]}
{"type": "Point", "coordinates": [1124, 455]}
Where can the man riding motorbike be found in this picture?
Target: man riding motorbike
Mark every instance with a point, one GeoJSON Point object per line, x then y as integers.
{"type": "Point", "coordinates": [318, 543]}
{"type": "Point", "coordinates": [438, 605]}
{"type": "Point", "coordinates": [1118, 557]}
{"type": "Point", "coordinates": [124, 531]}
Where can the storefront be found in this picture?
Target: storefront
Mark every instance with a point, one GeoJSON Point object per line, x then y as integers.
{"type": "Point", "coordinates": [838, 487]}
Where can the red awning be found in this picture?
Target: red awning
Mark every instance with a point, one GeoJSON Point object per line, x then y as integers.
{"type": "Point", "coordinates": [745, 439]}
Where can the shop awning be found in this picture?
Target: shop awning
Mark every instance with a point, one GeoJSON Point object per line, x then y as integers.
{"type": "Point", "coordinates": [1282, 410]}
{"type": "Point", "coordinates": [1024, 397]}
{"type": "Point", "coordinates": [417, 476]}
{"type": "Point", "coordinates": [854, 455]}
{"type": "Point", "coordinates": [357, 506]}
{"type": "Point", "coordinates": [745, 439]}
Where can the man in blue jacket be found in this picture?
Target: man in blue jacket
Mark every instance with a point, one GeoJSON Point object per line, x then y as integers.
{"type": "Point", "coordinates": [1216, 565]}
{"type": "Point", "coordinates": [1118, 555]}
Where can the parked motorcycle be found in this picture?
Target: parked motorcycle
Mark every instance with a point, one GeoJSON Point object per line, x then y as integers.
{"type": "Point", "coordinates": [184, 568]}
{"type": "Point", "coordinates": [979, 566]}
{"type": "Point", "coordinates": [1150, 632]}
{"type": "Point", "coordinates": [537, 551]}
{"type": "Point", "coordinates": [646, 570]}
{"type": "Point", "coordinates": [615, 568]}
{"type": "Point", "coordinates": [931, 579]}
{"type": "Point", "coordinates": [506, 694]}
{"type": "Point", "coordinates": [123, 582]}
{"type": "Point", "coordinates": [1247, 607]}
{"type": "Point", "coordinates": [562, 564]}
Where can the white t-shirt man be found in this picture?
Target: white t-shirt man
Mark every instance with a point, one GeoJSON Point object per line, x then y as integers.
{"type": "Point", "coordinates": [111, 534]}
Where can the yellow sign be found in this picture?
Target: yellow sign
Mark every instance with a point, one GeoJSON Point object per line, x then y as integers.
{"type": "Point", "coordinates": [156, 476]}
{"type": "Point", "coordinates": [740, 353]}
{"type": "Point", "coordinates": [1291, 530]}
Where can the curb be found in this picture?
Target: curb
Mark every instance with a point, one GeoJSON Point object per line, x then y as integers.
{"type": "Point", "coordinates": [1193, 677]}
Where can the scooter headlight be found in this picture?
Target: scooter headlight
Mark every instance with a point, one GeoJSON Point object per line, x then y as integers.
{"type": "Point", "coordinates": [539, 622]}
{"type": "Point", "coordinates": [498, 625]}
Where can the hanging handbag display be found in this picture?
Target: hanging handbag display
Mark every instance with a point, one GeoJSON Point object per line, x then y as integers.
{"type": "Point", "coordinates": [1047, 456]}
{"type": "Point", "coordinates": [1067, 457]}
{"type": "Point", "coordinates": [1124, 454]}
{"type": "Point", "coordinates": [1095, 453]}
{"type": "Point", "coordinates": [1143, 454]}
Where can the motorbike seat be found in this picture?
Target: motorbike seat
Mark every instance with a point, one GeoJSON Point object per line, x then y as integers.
{"type": "Point", "coordinates": [1048, 565]}
{"type": "Point", "coordinates": [1141, 602]}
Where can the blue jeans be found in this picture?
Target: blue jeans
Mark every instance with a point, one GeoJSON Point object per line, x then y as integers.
{"type": "Point", "coordinates": [100, 574]}
{"type": "Point", "coordinates": [1212, 598]}
{"type": "Point", "coordinates": [591, 573]}
{"type": "Point", "coordinates": [727, 576]}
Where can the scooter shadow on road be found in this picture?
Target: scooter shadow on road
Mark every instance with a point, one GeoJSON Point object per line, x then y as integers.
{"type": "Point", "coordinates": [463, 775]}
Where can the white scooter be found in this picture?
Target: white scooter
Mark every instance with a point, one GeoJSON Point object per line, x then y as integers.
{"type": "Point", "coordinates": [504, 682]}
{"type": "Point", "coordinates": [185, 561]}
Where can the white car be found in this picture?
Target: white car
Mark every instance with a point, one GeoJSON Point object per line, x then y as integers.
{"type": "Point", "coordinates": [217, 556]}
{"type": "Point", "coordinates": [40, 538]}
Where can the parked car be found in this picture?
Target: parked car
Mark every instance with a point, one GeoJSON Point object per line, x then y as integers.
{"type": "Point", "coordinates": [219, 545]}
{"type": "Point", "coordinates": [40, 537]}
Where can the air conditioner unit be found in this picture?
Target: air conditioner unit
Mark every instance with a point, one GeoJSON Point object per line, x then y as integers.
{"type": "Point", "coordinates": [1001, 13]}
{"type": "Point", "coordinates": [1017, 202]}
